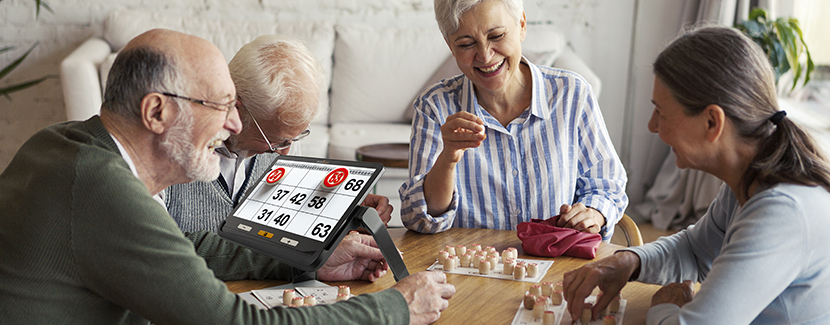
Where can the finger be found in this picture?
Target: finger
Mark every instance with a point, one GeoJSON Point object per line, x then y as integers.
{"type": "Point", "coordinates": [366, 248]}
{"type": "Point", "coordinates": [367, 240]}
{"type": "Point", "coordinates": [603, 301]}
{"type": "Point", "coordinates": [439, 276]}
{"type": "Point", "coordinates": [447, 291]}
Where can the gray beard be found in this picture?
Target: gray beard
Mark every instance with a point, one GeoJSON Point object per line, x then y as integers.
{"type": "Point", "coordinates": [198, 163]}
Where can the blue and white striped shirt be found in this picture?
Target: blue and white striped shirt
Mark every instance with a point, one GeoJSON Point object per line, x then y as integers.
{"type": "Point", "coordinates": [556, 152]}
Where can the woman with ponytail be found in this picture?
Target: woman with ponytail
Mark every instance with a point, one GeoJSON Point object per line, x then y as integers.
{"type": "Point", "coordinates": [759, 252]}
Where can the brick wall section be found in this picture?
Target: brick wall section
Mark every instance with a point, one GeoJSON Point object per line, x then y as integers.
{"type": "Point", "coordinates": [74, 21]}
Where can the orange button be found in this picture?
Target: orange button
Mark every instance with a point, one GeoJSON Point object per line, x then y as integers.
{"type": "Point", "coordinates": [265, 234]}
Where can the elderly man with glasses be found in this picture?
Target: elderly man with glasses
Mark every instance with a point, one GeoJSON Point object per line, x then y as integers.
{"type": "Point", "coordinates": [279, 86]}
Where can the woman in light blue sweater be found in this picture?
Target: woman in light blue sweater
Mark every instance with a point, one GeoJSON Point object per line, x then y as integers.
{"type": "Point", "coordinates": [760, 252]}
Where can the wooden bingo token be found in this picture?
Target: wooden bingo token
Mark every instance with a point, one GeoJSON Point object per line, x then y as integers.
{"type": "Point", "coordinates": [490, 249]}
{"type": "Point", "coordinates": [547, 288]}
{"type": "Point", "coordinates": [346, 290]}
{"type": "Point", "coordinates": [505, 254]}
{"type": "Point", "coordinates": [465, 260]}
{"type": "Point", "coordinates": [484, 267]}
{"type": "Point", "coordinates": [586, 314]}
{"type": "Point", "coordinates": [287, 297]}
{"type": "Point", "coordinates": [449, 263]}
{"type": "Point", "coordinates": [450, 249]}
{"type": "Point", "coordinates": [342, 297]}
{"type": "Point", "coordinates": [532, 270]}
{"type": "Point", "coordinates": [460, 249]}
{"type": "Point", "coordinates": [508, 266]}
{"type": "Point", "coordinates": [614, 306]}
{"type": "Point", "coordinates": [476, 247]}
{"type": "Point", "coordinates": [529, 301]}
{"type": "Point", "coordinates": [609, 320]}
{"type": "Point", "coordinates": [477, 259]}
{"type": "Point", "coordinates": [297, 301]}
{"type": "Point", "coordinates": [538, 309]}
{"type": "Point", "coordinates": [519, 272]}
{"type": "Point", "coordinates": [549, 317]}
{"type": "Point", "coordinates": [535, 289]}
{"type": "Point", "coordinates": [558, 286]}
{"type": "Point", "coordinates": [494, 261]}
{"type": "Point", "coordinates": [275, 175]}
{"type": "Point", "coordinates": [442, 255]}
{"type": "Point", "coordinates": [310, 300]}
{"type": "Point", "coordinates": [556, 297]}
{"type": "Point", "coordinates": [514, 252]}
{"type": "Point", "coordinates": [335, 177]}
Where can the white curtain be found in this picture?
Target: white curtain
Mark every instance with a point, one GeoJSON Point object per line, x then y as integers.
{"type": "Point", "coordinates": [678, 197]}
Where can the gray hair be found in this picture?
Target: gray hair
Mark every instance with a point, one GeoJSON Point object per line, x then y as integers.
{"type": "Point", "coordinates": [274, 73]}
{"type": "Point", "coordinates": [448, 12]}
{"type": "Point", "coordinates": [724, 67]}
{"type": "Point", "coordinates": [135, 73]}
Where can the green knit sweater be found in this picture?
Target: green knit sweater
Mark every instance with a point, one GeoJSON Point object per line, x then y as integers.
{"type": "Point", "coordinates": [83, 242]}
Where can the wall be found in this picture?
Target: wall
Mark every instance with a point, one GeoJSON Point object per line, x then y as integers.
{"type": "Point", "coordinates": [599, 30]}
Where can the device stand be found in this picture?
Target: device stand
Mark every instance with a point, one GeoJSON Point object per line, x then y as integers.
{"type": "Point", "coordinates": [368, 218]}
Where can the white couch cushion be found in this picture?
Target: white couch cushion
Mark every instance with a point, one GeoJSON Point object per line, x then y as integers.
{"type": "Point", "coordinates": [229, 35]}
{"type": "Point", "coordinates": [378, 70]}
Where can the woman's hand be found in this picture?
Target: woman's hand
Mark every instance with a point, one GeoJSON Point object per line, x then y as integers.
{"type": "Point", "coordinates": [610, 274]}
{"type": "Point", "coordinates": [581, 218]}
{"type": "Point", "coordinates": [461, 131]}
{"type": "Point", "coordinates": [675, 293]}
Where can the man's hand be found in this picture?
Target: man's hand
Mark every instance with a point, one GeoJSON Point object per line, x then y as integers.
{"type": "Point", "coordinates": [461, 131]}
{"type": "Point", "coordinates": [581, 218]}
{"type": "Point", "coordinates": [610, 274]}
{"type": "Point", "coordinates": [381, 204]}
{"type": "Point", "coordinates": [427, 294]}
{"type": "Point", "coordinates": [675, 293]}
{"type": "Point", "coordinates": [356, 258]}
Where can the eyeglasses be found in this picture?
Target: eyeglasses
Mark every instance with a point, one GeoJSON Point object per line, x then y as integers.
{"type": "Point", "coordinates": [285, 143]}
{"type": "Point", "coordinates": [217, 106]}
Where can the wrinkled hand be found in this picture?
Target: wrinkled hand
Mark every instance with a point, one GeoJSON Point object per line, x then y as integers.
{"type": "Point", "coordinates": [581, 218]}
{"type": "Point", "coordinates": [461, 131]}
{"type": "Point", "coordinates": [675, 293]}
{"type": "Point", "coordinates": [610, 274]}
{"type": "Point", "coordinates": [356, 258]}
{"type": "Point", "coordinates": [381, 204]}
{"type": "Point", "coordinates": [427, 293]}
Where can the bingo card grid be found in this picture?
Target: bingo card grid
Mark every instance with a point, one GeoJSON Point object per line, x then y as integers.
{"type": "Point", "coordinates": [299, 202]}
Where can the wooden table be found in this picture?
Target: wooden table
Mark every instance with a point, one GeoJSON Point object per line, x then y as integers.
{"type": "Point", "coordinates": [388, 154]}
{"type": "Point", "coordinates": [478, 299]}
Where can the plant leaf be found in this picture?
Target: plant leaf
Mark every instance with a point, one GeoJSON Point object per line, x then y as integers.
{"type": "Point", "coordinates": [23, 85]}
{"type": "Point", "coordinates": [7, 48]}
{"type": "Point", "coordinates": [16, 63]}
{"type": "Point", "coordinates": [757, 14]}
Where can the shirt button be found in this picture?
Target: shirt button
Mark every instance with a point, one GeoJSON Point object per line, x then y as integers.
{"type": "Point", "coordinates": [515, 172]}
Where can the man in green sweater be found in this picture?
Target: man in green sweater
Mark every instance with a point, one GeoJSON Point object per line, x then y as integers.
{"type": "Point", "coordinates": [83, 241]}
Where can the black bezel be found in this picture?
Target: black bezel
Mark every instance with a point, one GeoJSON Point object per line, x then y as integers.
{"type": "Point", "coordinates": [303, 253]}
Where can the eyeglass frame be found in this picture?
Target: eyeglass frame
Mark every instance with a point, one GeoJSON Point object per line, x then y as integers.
{"type": "Point", "coordinates": [214, 105]}
{"type": "Point", "coordinates": [285, 143]}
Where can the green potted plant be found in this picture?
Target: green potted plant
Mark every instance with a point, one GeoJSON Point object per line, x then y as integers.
{"type": "Point", "coordinates": [5, 91]}
{"type": "Point", "coordinates": [782, 41]}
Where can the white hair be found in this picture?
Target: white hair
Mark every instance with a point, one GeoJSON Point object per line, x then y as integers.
{"type": "Point", "coordinates": [277, 77]}
{"type": "Point", "coordinates": [448, 12]}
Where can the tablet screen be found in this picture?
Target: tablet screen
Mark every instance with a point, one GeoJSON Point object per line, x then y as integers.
{"type": "Point", "coordinates": [300, 203]}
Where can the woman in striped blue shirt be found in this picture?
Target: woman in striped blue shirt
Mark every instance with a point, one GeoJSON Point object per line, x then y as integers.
{"type": "Point", "coordinates": [507, 140]}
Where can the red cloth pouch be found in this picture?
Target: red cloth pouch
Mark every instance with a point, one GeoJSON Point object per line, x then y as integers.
{"type": "Point", "coordinates": [543, 238]}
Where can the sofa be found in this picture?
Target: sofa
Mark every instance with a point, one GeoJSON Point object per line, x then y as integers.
{"type": "Point", "coordinates": [373, 73]}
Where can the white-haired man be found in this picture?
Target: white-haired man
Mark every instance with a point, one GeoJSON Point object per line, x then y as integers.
{"type": "Point", "coordinates": [279, 85]}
